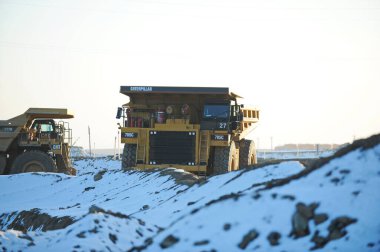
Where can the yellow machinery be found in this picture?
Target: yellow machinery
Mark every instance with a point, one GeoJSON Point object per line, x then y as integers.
{"type": "Point", "coordinates": [198, 129]}
{"type": "Point", "coordinates": [34, 142]}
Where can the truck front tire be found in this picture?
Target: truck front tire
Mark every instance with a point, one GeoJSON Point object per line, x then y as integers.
{"type": "Point", "coordinates": [128, 159]}
{"type": "Point", "coordinates": [225, 159]}
{"type": "Point", "coordinates": [33, 161]}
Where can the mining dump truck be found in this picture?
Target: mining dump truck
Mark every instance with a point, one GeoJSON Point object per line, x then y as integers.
{"type": "Point", "coordinates": [198, 129]}
{"type": "Point", "coordinates": [34, 142]}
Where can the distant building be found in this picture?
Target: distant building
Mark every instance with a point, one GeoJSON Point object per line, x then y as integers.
{"type": "Point", "coordinates": [294, 147]}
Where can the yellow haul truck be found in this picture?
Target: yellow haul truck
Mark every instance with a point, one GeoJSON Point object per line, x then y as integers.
{"type": "Point", "coordinates": [198, 129]}
{"type": "Point", "coordinates": [34, 142]}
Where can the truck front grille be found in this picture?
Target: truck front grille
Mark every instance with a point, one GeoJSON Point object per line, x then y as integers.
{"type": "Point", "coordinates": [172, 147]}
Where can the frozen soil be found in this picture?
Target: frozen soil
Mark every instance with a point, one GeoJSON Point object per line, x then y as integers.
{"type": "Point", "coordinates": [330, 204]}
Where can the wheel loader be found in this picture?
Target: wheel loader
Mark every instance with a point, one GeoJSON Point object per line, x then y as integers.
{"type": "Point", "coordinates": [198, 129]}
{"type": "Point", "coordinates": [35, 142]}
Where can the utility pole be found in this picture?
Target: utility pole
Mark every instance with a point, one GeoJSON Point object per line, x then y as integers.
{"type": "Point", "coordinates": [271, 143]}
{"type": "Point", "coordinates": [118, 144]}
{"type": "Point", "coordinates": [89, 139]}
{"type": "Point", "coordinates": [114, 149]}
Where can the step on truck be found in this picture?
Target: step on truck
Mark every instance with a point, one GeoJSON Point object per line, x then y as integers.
{"type": "Point", "coordinates": [35, 142]}
{"type": "Point", "coordinates": [198, 129]}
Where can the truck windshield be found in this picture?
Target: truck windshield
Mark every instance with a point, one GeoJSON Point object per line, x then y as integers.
{"type": "Point", "coordinates": [216, 111]}
{"type": "Point", "coordinates": [43, 125]}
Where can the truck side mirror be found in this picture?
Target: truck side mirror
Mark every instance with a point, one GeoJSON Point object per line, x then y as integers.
{"type": "Point", "coordinates": [119, 113]}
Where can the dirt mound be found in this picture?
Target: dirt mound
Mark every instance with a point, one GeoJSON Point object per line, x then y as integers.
{"type": "Point", "coordinates": [33, 220]}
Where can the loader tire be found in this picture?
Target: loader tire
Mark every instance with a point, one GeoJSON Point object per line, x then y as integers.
{"type": "Point", "coordinates": [247, 154]}
{"type": "Point", "coordinates": [128, 160]}
{"type": "Point", "coordinates": [3, 163]}
{"type": "Point", "coordinates": [225, 159]}
{"type": "Point", "coordinates": [33, 161]}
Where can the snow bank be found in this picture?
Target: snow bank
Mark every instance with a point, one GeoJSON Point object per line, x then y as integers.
{"type": "Point", "coordinates": [331, 204]}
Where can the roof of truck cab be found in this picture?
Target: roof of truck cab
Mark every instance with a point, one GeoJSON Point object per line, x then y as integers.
{"type": "Point", "coordinates": [223, 91]}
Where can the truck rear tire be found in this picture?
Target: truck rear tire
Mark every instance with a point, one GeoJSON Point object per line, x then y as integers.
{"type": "Point", "coordinates": [33, 161]}
{"type": "Point", "coordinates": [225, 159]}
{"type": "Point", "coordinates": [3, 163]}
{"type": "Point", "coordinates": [247, 154]}
{"type": "Point", "coordinates": [128, 159]}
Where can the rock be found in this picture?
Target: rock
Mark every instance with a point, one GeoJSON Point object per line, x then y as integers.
{"type": "Point", "coordinates": [300, 225]}
{"type": "Point", "coordinates": [336, 231]}
{"type": "Point", "coordinates": [328, 174]}
{"type": "Point", "coordinates": [141, 222]}
{"type": "Point", "coordinates": [307, 211]}
{"type": "Point", "coordinates": [113, 238]}
{"type": "Point", "coordinates": [145, 207]}
{"type": "Point", "coordinates": [336, 234]}
{"type": "Point", "coordinates": [89, 188]}
{"type": "Point", "coordinates": [319, 241]}
{"type": "Point", "coordinates": [300, 219]}
{"type": "Point", "coordinates": [336, 227]}
{"type": "Point", "coordinates": [200, 243]}
{"type": "Point", "coordinates": [274, 238]}
{"type": "Point", "coordinates": [248, 238]}
{"type": "Point", "coordinates": [288, 197]}
{"type": "Point", "coordinates": [256, 196]}
{"type": "Point", "coordinates": [371, 245]}
{"type": "Point", "coordinates": [181, 178]}
{"type": "Point", "coordinates": [81, 235]}
{"type": "Point", "coordinates": [226, 226]}
{"type": "Point", "coordinates": [355, 193]}
{"type": "Point", "coordinates": [169, 241]}
{"type": "Point", "coordinates": [344, 171]}
{"type": "Point", "coordinates": [320, 218]}
{"type": "Point", "coordinates": [99, 175]}
{"type": "Point", "coordinates": [335, 180]}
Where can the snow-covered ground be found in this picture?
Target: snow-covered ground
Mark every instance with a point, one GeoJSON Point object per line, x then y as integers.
{"type": "Point", "coordinates": [278, 207]}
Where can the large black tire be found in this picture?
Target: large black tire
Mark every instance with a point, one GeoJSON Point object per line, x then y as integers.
{"type": "Point", "coordinates": [3, 163]}
{"type": "Point", "coordinates": [225, 159]}
{"type": "Point", "coordinates": [33, 161]}
{"type": "Point", "coordinates": [247, 153]}
{"type": "Point", "coordinates": [128, 160]}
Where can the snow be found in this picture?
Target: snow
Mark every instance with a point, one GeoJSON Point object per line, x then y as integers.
{"type": "Point", "coordinates": [215, 214]}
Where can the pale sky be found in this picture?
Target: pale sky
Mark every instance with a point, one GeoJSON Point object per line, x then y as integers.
{"type": "Point", "coordinates": [312, 67]}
